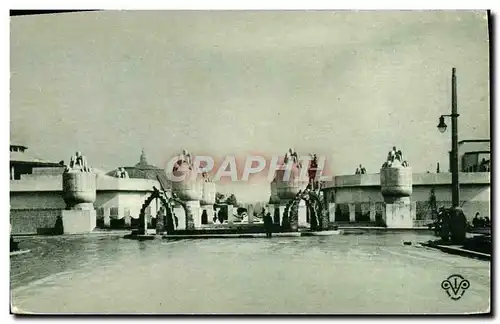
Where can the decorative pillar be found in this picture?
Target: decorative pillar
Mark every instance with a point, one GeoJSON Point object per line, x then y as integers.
{"type": "Point", "coordinates": [193, 217]}
{"type": "Point", "coordinates": [107, 217]}
{"type": "Point", "coordinates": [128, 220]}
{"type": "Point", "coordinates": [250, 214]}
{"type": "Point", "coordinates": [180, 213]}
{"type": "Point", "coordinates": [302, 211]}
{"type": "Point", "coordinates": [331, 212]}
{"type": "Point", "coordinates": [413, 211]}
{"type": "Point", "coordinates": [352, 213]}
{"type": "Point", "coordinates": [230, 214]}
{"type": "Point", "coordinates": [373, 211]}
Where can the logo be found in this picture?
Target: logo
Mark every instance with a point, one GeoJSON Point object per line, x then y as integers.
{"type": "Point", "coordinates": [455, 286]}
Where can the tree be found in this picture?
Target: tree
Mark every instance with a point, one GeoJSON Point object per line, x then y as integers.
{"type": "Point", "coordinates": [231, 200]}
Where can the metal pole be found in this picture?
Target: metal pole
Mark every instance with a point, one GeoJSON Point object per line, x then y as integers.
{"type": "Point", "coordinates": [455, 194]}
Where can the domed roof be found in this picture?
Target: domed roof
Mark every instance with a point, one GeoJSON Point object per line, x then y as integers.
{"type": "Point", "coordinates": [143, 170]}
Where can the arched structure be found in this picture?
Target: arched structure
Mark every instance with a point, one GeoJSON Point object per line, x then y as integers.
{"type": "Point", "coordinates": [315, 208]}
{"type": "Point", "coordinates": [167, 222]}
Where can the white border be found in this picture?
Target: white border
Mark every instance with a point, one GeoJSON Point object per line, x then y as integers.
{"type": "Point", "coordinates": [200, 4]}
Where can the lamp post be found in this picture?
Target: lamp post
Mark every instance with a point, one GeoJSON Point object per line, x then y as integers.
{"type": "Point", "coordinates": [455, 186]}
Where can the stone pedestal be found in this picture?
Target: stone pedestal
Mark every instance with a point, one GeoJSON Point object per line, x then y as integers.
{"type": "Point", "coordinates": [193, 217]}
{"type": "Point", "coordinates": [79, 194]}
{"type": "Point", "coordinates": [352, 213]}
{"type": "Point", "coordinates": [398, 213]}
{"type": "Point", "coordinates": [78, 221]}
{"type": "Point", "coordinates": [302, 209]}
{"type": "Point", "coordinates": [331, 212]}
{"type": "Point", "coordinates": [373, 212]}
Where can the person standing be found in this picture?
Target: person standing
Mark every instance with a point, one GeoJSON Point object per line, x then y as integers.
{"type": "Point", "coordinates": [268, 223]}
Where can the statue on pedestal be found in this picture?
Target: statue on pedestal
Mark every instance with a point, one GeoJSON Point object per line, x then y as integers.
{"type": "Point", "coordinates": [291, 155]}
{"type": "Point", "coordinates": [395, 159]}
{"type": "Point", "coordinates": [78, 162]}
{"type": "Point", "coordinates": [184, 157]}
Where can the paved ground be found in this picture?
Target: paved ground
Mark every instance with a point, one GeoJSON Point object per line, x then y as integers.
{"type": "Point", "coordinates": [348, 274]}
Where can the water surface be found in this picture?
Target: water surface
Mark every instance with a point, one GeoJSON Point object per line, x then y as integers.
{"type": "Point", "coordinates": [353, 274]}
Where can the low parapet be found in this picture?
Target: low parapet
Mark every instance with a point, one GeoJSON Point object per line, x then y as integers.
{"type": "Point", "coordinates": [419, 179]}
{"type": "Point", "coordinates": [54, 184]}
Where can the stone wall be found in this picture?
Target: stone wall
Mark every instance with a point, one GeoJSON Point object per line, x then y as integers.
{"type": "Point", "coordinates": [35, 202]}
{"type": "Point", "coordinates": [33, 221]}
{"type": "Point", "coordinates": [361, 190]}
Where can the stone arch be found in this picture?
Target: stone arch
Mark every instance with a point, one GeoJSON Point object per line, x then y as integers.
{"type": "Point", "coordinates": [314, 206]}
{"type": "Point", "coordinates": [169, 223]}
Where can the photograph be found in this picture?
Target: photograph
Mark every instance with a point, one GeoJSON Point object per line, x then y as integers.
{"type": "Point", "coordinates": [250, 162]}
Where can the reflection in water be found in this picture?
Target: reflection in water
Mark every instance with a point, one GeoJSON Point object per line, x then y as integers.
{"type": "Point", "coordinates": [342, 273]}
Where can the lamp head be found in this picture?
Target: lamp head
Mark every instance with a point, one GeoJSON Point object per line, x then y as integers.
{"type": "Point", "coordinates": [442, 125]}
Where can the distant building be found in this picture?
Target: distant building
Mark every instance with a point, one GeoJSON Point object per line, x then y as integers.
{"type": "Point", "coordinates": [474, 155]}
{"type": "Point", "coordinates": [22, 163]}
{"type": "Point", "coordinates": [143, 170]}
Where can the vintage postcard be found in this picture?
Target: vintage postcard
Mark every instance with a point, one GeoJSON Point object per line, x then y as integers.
{"type": "Point", "coordinates": [250, 162]}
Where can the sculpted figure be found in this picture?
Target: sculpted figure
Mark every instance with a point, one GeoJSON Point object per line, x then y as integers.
{"type": "Point", "coordinates": [294, 156]}
{"type": "Point", "coordinates": [78, 162]}
{"type": "Point", "coordinates": [186, 157]}
{"type": "Point", "coordinates": [123, 173]}
{"type": "Point", "coordinates": [399, 156]}
{"type": "Point", "coordinates": [392, 155]}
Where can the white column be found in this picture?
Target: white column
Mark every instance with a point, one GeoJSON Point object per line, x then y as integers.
{"type": "Point", "coordinates": [352, 213]}
{"type": "Point", "coordinates": [194, 207]}
{"type": "Point", "coordinates": [126, 213]}
{"type": "Point", "coordinates": [373, 211]}
{"type": "Point", "coordinates": [331, 210]}
{"type": "Point", "coordinates": [250, 214]}
{"type": "Point", "coordinates": [107, 217]}
{"type": "Point", "coordinates": [230, 215]}
{"type": "Point", "coordinates": [181, 216]}
{"type": "Point", "coordinates": [302, 209]}
{"type": "Point", "coordinates": [282, 207]}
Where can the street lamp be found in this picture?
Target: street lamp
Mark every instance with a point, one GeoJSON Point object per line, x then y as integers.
{"type": "Point", "coordinates": [455, 187]}
{"type": "Point", "coordinates": [442, 125]}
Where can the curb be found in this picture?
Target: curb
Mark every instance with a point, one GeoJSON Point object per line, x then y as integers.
{"type": "Point", "coordinates": [459, 251]}
{"type": "Point", "coordinates": [148, 237]}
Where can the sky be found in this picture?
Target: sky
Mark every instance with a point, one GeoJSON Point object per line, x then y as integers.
{"type": "Point", "coordinates": [348, 85]}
